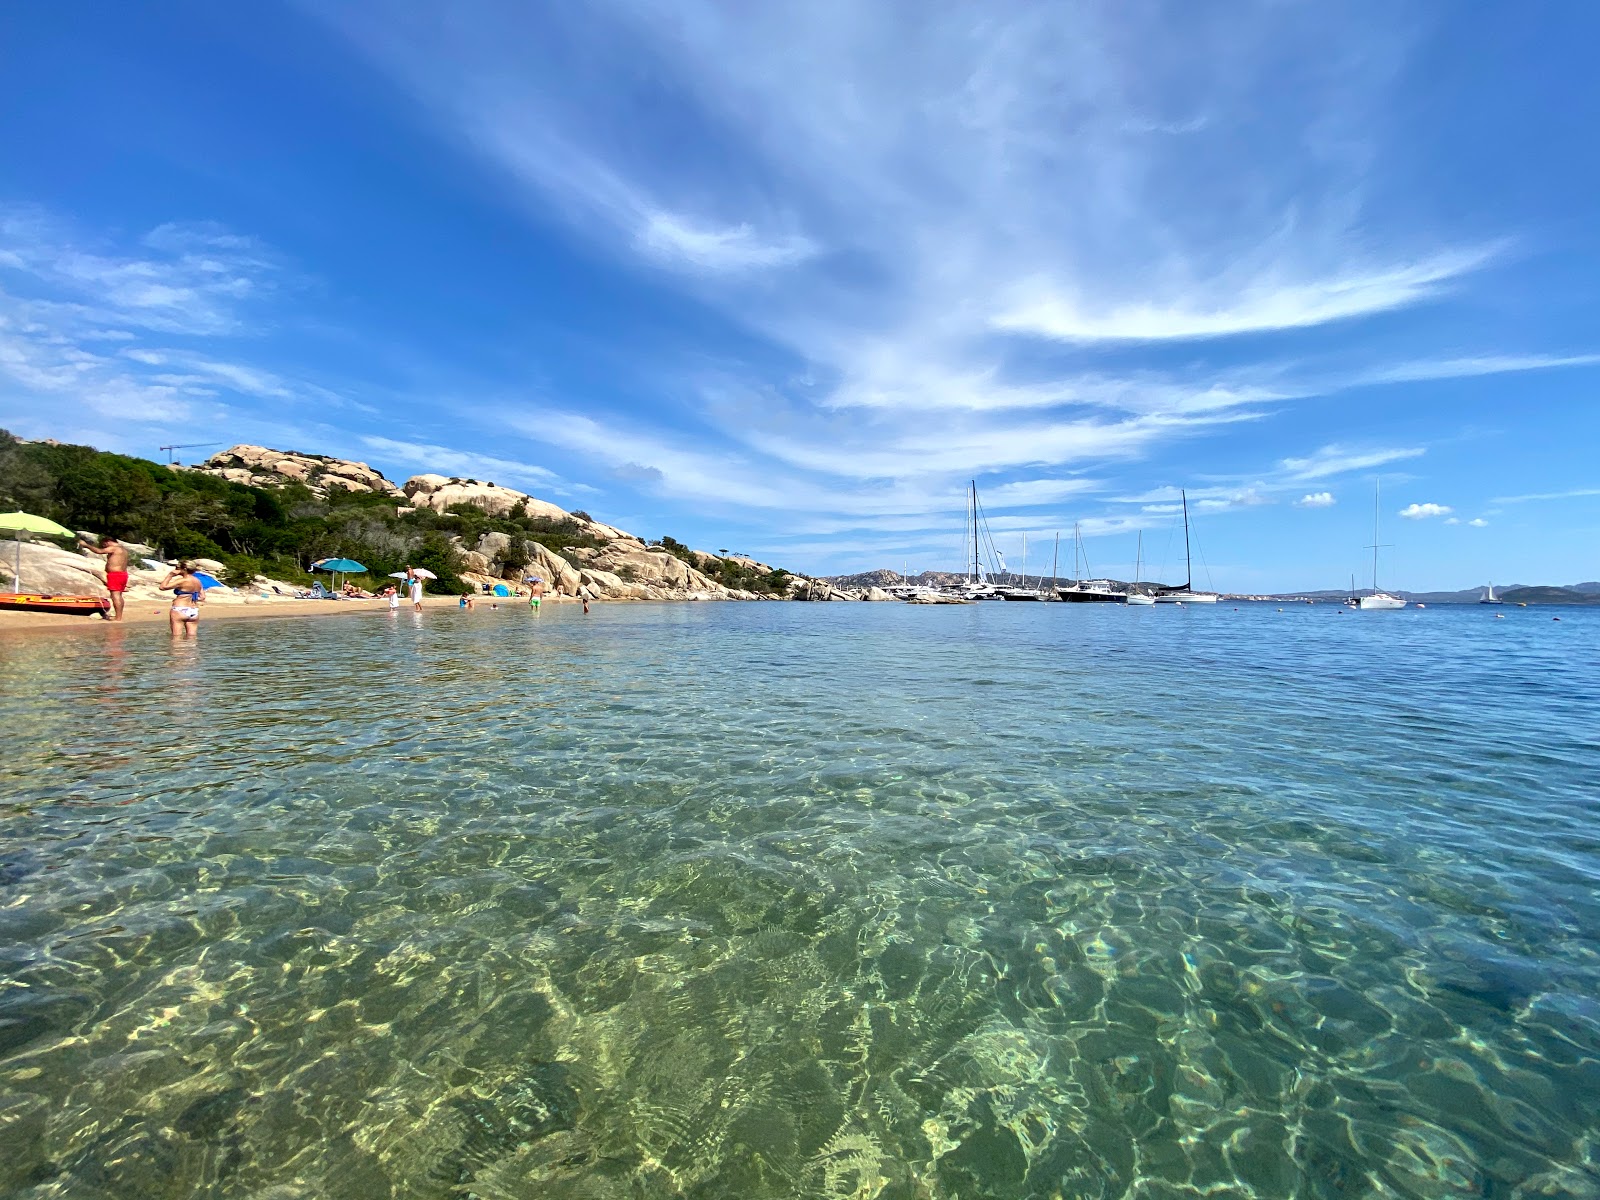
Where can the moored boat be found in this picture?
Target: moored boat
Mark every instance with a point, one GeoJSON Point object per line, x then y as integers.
{"type": "Point", "coordinates": [67, 606]}
{"type": "Point", "coordinates": [1376, 599]}
{"type": "Point", "coordinates": [1135, 596]}
{"type": "Point", "coordinates": [1185, 594]}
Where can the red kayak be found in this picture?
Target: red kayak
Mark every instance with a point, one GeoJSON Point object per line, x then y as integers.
{"type": "Point", "coordinates": [69, 606]}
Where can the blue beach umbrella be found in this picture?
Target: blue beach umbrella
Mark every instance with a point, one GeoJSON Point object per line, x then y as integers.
{"type": "Point", "coordinates": [206, 580]}
{"type": "Point", "coordinates": [339, 566]}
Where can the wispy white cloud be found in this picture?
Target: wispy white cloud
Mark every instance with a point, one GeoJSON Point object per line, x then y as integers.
{"type": "Point", "coordinates": [1316, 500]}
{"type": "Point", "coordinates": [443, 459]}
{"type": "Point", "coordinates": [1464, 368]}
{"type": "Point", "coordinates": [1224, 308]}
{"type": "Point", "coordinates": [1338, 460]}
{"type": "Point", "coordinates": [149, 331]}
{"type": "Point", "coordinates": [190, 279]}
{"type": "Point", "coordinates": [733, 248]}
{"type": "Point", "coordinates": [1477, 522]}
{"type": "Point", "coordinates": [1422, 512]}
{"type": "Point", "coordinates": [1569, 494]}
{"type": "Point", "coordinates": [887, 198]}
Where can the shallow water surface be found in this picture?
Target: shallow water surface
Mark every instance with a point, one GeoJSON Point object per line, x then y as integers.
{"type": "Point", "coordinates": [776, 900]}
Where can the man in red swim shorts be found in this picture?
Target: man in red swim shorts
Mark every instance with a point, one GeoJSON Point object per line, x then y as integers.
{"type": "Point", "coordinates": [116, 556]}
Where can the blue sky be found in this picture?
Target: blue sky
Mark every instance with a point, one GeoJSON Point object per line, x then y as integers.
{"type": "Point", "coordinates": [781, 277]}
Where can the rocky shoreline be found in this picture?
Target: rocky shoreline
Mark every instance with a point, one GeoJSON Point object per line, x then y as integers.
{"type": "Point", "coordinates": [575, 555]}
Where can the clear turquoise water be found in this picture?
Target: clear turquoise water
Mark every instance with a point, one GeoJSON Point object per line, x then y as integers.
{"type": "Point", "coordinates": [805, 900]}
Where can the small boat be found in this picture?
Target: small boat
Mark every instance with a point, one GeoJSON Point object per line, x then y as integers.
{"type": "Point", "coordinates": [1135, 596]}
{"type": "Point", "coordinates": [67, 606]}
{"type": "Point", "coordinates": [1489, 597]}
{"type": "Point", "coordinates": [1375, 599]}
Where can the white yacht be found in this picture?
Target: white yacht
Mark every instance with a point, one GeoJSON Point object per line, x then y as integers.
{"type": "Point", "coordinates": [977, 585]}
{"type": "Point", "coordinates": [1376, 599]}
{"type": "Point", "coordinates": [1186, 594]}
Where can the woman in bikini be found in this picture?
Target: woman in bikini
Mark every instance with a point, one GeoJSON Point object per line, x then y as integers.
{"type": "Point", "coordinates": [184, 615]}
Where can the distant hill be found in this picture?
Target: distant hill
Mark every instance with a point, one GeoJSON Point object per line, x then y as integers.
{"type": "Point", "coordinates": [1548, 595]}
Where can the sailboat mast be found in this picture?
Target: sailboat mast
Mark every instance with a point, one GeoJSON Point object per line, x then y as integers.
{"type": "Point", "coordinates": [977, 567]}
{"type": "Point", "coordinates": [1377, 507]}
{"type": "Point", "coordinates": [1024, 560]}
{"type": "Point", "coordinates": [1138, 557]}
{"type": "Point", "coordinates": [1188, 562]}
{"type": "Point", "coordinates": [1055, 562]}
{"type": "Point", "coordinates": [1077, 553]}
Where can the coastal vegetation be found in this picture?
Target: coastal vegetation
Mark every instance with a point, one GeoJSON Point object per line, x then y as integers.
{"type": "Point", "coordinates": [264, 513]}
{"type": "Point", "coordinates": [251, 530]}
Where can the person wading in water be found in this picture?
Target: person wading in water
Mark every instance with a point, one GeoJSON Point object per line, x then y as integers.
{"type": "Point", "coordinates": [116, 556]}
{"type": "Point", "coordinates": [183, 618]}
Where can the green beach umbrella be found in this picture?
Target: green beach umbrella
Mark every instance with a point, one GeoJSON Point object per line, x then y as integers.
{"type": "Point", "coordinates": [19, 523]}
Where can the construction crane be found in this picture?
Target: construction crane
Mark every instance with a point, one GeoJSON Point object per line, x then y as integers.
{"type": "Point", "coordinates": [172, 451]}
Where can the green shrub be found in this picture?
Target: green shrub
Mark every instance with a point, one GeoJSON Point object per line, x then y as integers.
{"type": "Point", "coordinates": [240, 570]}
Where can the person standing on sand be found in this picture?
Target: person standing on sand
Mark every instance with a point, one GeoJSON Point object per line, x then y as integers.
{"type": "Point", "coordinates": [183, 618]}
{"type": "Point", "coordinates": [116, 556]}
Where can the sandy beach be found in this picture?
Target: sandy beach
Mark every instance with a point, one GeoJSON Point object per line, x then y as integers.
{"type": "Point", "coordinates": [150, 612]}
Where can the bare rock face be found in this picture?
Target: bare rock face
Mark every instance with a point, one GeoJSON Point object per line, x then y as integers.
{"type": "Point", "coordinates": [260, 466]}
{"type": "Point", "coordinates": [51, 571]}
{"type": "Point", "coordinates": [817, 589]}
{"type": "Point", "coordinates": [877, 593]}
{"type": "Point", "coordinates": [439, 492]}
{"type": "Point", "coordinates": [557, 572]}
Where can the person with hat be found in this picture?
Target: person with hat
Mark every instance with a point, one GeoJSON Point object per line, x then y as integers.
{"type": "Point", "coordinates": [535, 592]}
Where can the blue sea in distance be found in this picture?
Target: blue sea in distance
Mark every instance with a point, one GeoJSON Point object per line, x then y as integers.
{"type": "Point", "coordinates": [788, 900]}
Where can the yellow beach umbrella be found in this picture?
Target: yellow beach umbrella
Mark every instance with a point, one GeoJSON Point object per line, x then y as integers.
{"type": "Point", "coordinates": [19, 523]}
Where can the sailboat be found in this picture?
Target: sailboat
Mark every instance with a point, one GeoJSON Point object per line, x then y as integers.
{"type": "Point", "coordinates": [1186, 594]}
{"type": "Point", "coordinates": [977, 585]}
{"type": "Point", "coordinates": [1377, 599]}
{"type": "Point", "coordinates": [1085, 591]}
{"type": "Point", "coordinates": [1488, 596]}
{"type": "Point", "coordinates": [1135, 596]}
{"type": "Point", "coordinates": [1024, 592]}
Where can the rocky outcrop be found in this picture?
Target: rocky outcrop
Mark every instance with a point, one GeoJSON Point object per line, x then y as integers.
{"type": "Point", "coordinates": [259, 466]}
{"type": "Point", "coordinates": [876, 593]}
{"type": "Point", "coordinates": [48, 570]}
{"type": "Point", "coordinates": [817, 589]}
{"type": "Point", "coordinates": [439, 492]}
{"type": "Point", "coordinates": [614, 565]}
